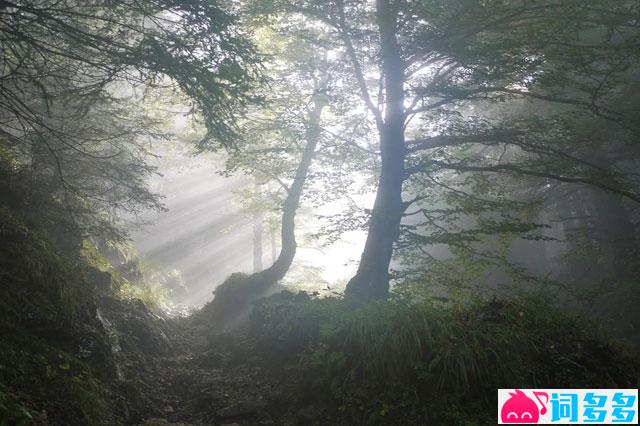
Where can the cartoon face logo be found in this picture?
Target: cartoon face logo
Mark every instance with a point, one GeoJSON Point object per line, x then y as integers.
{"type": "Point", "coordinates": [519, 408]}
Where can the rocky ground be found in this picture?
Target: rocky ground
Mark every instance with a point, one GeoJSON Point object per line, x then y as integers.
{"type": "Point", "coordinates": [173, 372]}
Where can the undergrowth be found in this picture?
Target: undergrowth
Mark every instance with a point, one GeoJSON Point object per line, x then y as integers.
{"type": "Point", "coordinates": [60, 362]}
{"type": "Point", "coordinates": [55, 361]}
{"type": "Point", "coordinates": [400, 363]}
{"type": "Point", "coordinates": [54, 358]}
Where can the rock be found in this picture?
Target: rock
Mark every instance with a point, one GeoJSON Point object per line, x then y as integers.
{"type": "Point", "coordinates": [163, 422]}
{"type": "Point", "coordinates": [101, 280]}
{"type": "Point", "coordinates": [214, 394]}
{"type": "Point", "coordinates": [211, 359]}
{"type": "Point", "coordinates": [242, 408]}
{"type": "Point", "coordinates": [264, 419]}
{"type": "Point", "coordinates": [138, 329]}
{"type": "Point", "coordinates": [308, 414]}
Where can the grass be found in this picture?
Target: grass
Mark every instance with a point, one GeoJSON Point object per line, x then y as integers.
{"type": "Point", "coordinates": [399, 363]}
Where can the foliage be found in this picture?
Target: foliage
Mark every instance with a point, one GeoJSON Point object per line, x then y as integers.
{"type": "Point", "coordinates": [128, 278]}
{"type": "Point", "coordinates": [81, 83]}
{"type": "Point", "coordinates": [45, 380]}
{"type": "Point", "coordinates": [489, 98]}
{"type": "Point", "coordinates": [58, 364]}
{"type": "Point", "coordinates": [399, 363]}
{"type": "Point", "coordinates": [87, 47]}
{"type": "Point", "coordinates": [54, 355]}
{"type": "Point", "coordinates": [152, 296]}
{"type": "Point", "coordinates": [13, 413]}
{"type": "Point", "coordinates": [39, 273]}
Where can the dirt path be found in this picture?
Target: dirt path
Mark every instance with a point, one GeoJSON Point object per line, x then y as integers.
{"type": "Point", "coordinates": [212, 382]}
{"type": "Point", "coordinates": [174, 372]}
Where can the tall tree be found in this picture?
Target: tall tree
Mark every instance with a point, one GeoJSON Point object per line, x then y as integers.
{"type": "Point", "coordinates": [278, 146]}
{"type": "Point", "coordinates": [438, 64]}
{"type": "Point", "coordinates": [372, 277]}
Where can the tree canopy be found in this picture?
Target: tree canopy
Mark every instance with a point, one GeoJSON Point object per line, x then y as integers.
{"type": "Point", "coordinates": [75, 76]}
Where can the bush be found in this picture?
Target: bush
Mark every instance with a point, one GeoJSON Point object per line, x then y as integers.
{"type": "Point", "coordinates": [398, 363]}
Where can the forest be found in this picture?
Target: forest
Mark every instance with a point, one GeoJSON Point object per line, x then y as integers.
{"type": "Point", "coordinates": [317, 212]}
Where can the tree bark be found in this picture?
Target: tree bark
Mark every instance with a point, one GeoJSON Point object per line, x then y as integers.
{"type": "Point", "coordinates": [274, 247]}
{"type": "Point", "coordinates": [288, 245]}
{"type": "Point", "coordinates": [257, 242]}
{"type": "Point", "coordinates": [233, 298]}
{"type": "Point", "coordinates": [257, 236]}
{"type": "Point", "coordinates": [372, 277]}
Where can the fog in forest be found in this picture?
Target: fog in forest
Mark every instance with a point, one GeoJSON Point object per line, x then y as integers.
{"type": "Point", "coordinates": [319, 212]}
{"type": "Point", "coordinates": [205, 235]}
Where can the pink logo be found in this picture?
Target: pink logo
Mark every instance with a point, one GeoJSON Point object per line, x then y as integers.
{"type": "Point", "coordinates": [519, 408]}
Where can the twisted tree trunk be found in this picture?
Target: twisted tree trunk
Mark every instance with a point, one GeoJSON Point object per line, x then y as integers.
{"type": "Point", "coordinates": [234, 297]}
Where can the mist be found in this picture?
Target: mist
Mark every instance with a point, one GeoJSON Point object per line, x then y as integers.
{"type": "Point", "coordinates": [303, 212]}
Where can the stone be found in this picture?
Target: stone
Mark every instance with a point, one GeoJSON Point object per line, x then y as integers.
{"type": "Point", "coordinates": [309, 413]}
{"type": "Point", "coordinates": [242, 408]}
{"type": "Point", "coordinates": [163, 422]}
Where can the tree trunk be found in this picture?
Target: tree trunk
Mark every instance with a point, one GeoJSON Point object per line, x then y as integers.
{"type": "Point", "coordinates": [233, 298]}
{"type": "Point", "coordinates": [257, 242]}
{"type": "Point", "coordinates": [257, 236]}
{"type": "Point", "coordinates": [372, 278]}
{"type": "Point", "coordinates": [274, 246]}
{"type": "Point", "coordinates": [288, 247]}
